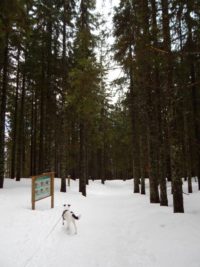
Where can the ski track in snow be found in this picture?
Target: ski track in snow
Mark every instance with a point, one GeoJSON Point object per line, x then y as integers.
{"type": "Point", "coordinates": [117, 228]}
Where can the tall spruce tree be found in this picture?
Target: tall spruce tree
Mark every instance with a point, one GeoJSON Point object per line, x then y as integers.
{"type": "Point", "coordinates": [84, 76]}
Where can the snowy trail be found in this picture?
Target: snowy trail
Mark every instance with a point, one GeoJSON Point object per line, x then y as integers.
{"type": "Point", "coordinates": [117, 228]}
{"type": "Point", "coordinates": [105, 220]}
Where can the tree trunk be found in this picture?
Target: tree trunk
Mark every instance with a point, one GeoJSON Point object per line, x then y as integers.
{"type": "Point", "coordinates": [15, 122]}
{"type": "Point", "coordinates": [194, 108]}
{"type": "Point", "coordinates": [159, 112]}
{"type": "Point", "coordinates": [135, 137]}
{"type": "Point", "coordinates": [33, 135]}
{"type": "Point", "coordinates": [173, 114]}
{"type": "Point", "coordinates": [3, 111]}
{"type": "Point", "coordinates": [20, 133]}
{"type": "Point", "coordinates": [42, 116]}
{"type": "Point", "coordinates": [63, 187]}
{"type": "Point", "coordinates": [150, 103]}
{"type": "Point", "coordinates": [142, 161]}
{"type": "Point", "coordinates": [82, 178]}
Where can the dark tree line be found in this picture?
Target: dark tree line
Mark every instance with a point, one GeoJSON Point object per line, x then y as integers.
{"type": "Point", "coordinates": [158, 45]}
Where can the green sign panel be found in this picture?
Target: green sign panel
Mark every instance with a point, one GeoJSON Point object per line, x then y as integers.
{"type": "Point", "coordinates": [42, 187]}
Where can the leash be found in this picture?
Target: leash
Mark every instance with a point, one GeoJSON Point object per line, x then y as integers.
{"type": "Point", "coordinates": [53, 228]}
{"type": "Point", "coordinates": [35, 252]}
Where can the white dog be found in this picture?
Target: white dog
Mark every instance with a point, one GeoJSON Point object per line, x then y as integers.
{"type": "Point", "coordinates": [69, 217]}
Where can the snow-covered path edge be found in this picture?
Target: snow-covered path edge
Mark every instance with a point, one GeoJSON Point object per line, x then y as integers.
{"type": "Point", "coordinates": [117, 228]}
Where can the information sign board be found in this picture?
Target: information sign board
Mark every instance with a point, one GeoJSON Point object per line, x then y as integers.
{"type": "Point", "coordinates": [43, 187]}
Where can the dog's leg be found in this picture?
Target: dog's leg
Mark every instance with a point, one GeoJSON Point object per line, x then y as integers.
{"type": "Point", "coordinates": [68, 226]}
{"type": "Point", "coordinates": [75, 228]}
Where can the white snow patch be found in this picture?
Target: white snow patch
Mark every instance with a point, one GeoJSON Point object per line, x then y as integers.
{"type": "Point", "coordinates": [117, 228]}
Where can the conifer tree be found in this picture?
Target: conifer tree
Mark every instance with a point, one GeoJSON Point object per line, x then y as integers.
{"type": "Point", "coordinates": [84, 76]}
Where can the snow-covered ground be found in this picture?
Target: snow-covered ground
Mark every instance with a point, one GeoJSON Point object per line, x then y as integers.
{"type": "Point", "coordinates": [117, 228]}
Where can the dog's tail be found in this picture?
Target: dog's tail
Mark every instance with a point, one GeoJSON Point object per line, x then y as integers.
{"type": "Point", "coordinates": [76, 217]}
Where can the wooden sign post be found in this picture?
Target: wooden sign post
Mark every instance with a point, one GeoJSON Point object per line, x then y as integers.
{"type": "Point", "coordinates": [43, 187]}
